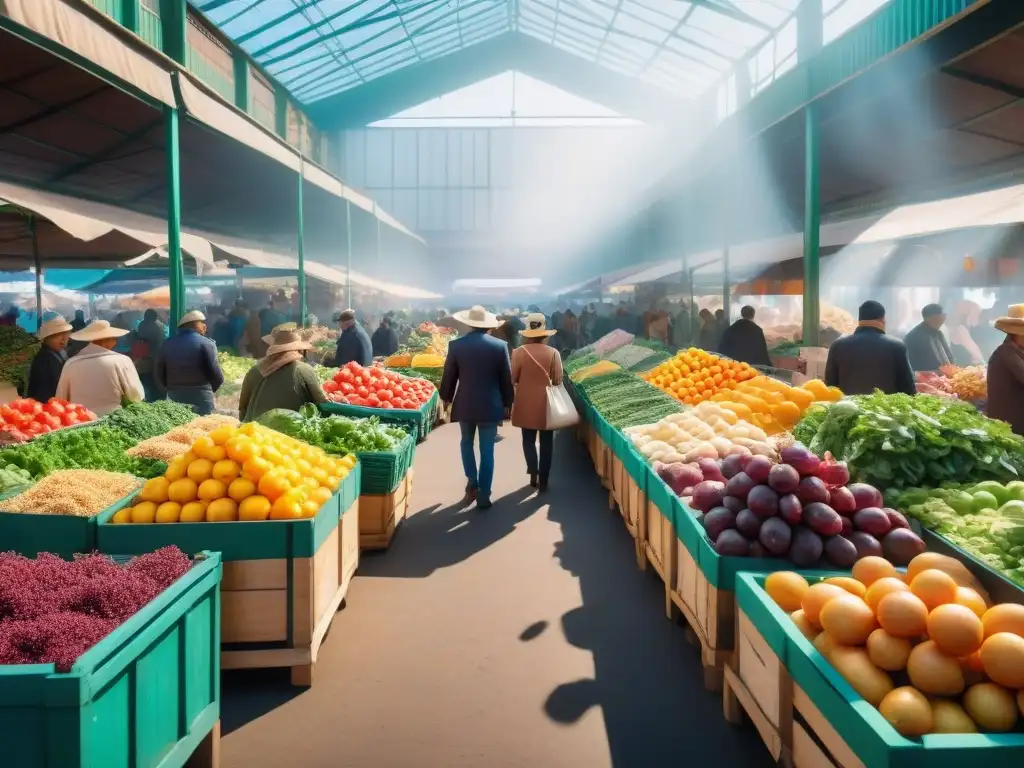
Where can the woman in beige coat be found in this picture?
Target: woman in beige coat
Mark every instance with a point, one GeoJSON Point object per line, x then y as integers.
{"type": "Point", "coordinates": [535, 367]}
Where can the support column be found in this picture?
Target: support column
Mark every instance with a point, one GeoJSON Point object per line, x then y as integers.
{"type": "Point", "coordinates": [176, 273]}
{"type": "Point", "coordinates": [302, 251]}
{"type": "Point", "coordinates": [37, 262]}
{"type": "Point", "coordinates": [348, 254]}
{"type": "Point", "coordinates": [809, 33]}
{"type": "Point", "coordinates": [376, 241]}
{"type": "Point", "coordinates": [130, 15]}
{"type": "Point", "coordinates": [281, 113]}
{"type": "Point", "coordinates": [173, 22]}
{"type": "Point", "coordinates": [241, 66]}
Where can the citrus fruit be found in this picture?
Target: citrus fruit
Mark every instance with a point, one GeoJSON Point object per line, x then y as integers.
{"type": "Point", "coordinates": [254, 508]}
{"type": "Point", "coordinates": [848, 619]}
{"type": "Point", "coordinates": [1002, 656]}
{"type": "Point", "coordinates": [226, 470]}
{"type": "Point", "coordinates": [123, 515]}
{"type": "Point", "coordinates": [320, 495]}
{"type": "Point", "coordinates": [816, 597]}
{"type": "Point", "coordinates": [287, 506]}
{"type": "Point", "coordinates": [211, 489]}
{"type": "Point", "coordinates": [221, 435]}
{"type": "Point", "coordinates": [255, 468]}
{"type": "Point", "coordinates": [956, 629]}
{"type": "Point", "coordinates": [241, 488]}
{"type": "Point", "coordinates": [852, 586]}
{"type": "Point", "coordinates": [786, 588]}
{"type": "Point", "coordinates": [991, 707]}
{"type": "Point", "coordinates": [176, 469]}
{"type": "Point", "coordinates": [193, 512]}
{"type": "Point", "coordinates": [950, 717]}
{"type": "Point", "coordinates": [273, 485]}
{"type": "Point", "coordinates": [1005, 617]}
{"type": "Point", "coordinates": [143, 512]}
{"type": "Point", "coordinates": [870, 569]}
{"type": "Point", "coordinates": [240, 449]}
{"type": "Point", "coordinates": [856, 667]}
{"type": "Point", "coordinates": [168, 512]}
{"type": "Point", "coordinates": [183, 491]}
{"type": "Point", "coordinates": [888, 652]}
{"type": "Point", "coordinates": [933, 672]}
{"type": "Point", "coordinates": [970, 598]}
{"type": "Point", "coordinates": [155, 490]}
{"type": "Point", "coordinates": [902, 614]}
{"type": "Point", "coordinates": [907, 711]}
{"type": "Point", "coordinates": [310, 508]}
{"type": "Point", "coordinates": [200, 470]}
{"type": "Point", "coordinates": [883, 587]}
{"type": "Point", "coordinates": [805, 627]}
{"type": "Point", "coordinates": [934, 587]}
{"type": "Point", "coordinates": [222, 510]}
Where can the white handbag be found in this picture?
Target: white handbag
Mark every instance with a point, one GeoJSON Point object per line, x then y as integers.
{"type": "Point", "coordinates": [561, 412]}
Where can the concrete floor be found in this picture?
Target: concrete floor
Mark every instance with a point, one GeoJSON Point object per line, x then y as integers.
{"type": "Point", "coordinates": [520, 636]}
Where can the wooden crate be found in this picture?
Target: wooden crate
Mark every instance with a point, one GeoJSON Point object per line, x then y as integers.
{"type": "Point", "coordinates": [658, 541]}
{"type": "Point", "coordinates": [287, 602]}
{"type": "Point", "coordinates": [380, 515]}
{"type": "Point", "coordinates": [617, 494]}
{"type": "Point", "coordinates": [756, 683]}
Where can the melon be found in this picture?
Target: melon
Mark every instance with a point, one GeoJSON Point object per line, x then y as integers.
{"type": "Point", "coordinates": [786, 588]}
{"type": "Point", "coordinates": [902, 614]}
{"type": "Point", "coordinates": [848, 619]}
{"type": "Point", "coordinates": [956, 629]}
{"type": "Point", "coordinates": [816, 597]}
{"type": "Point", "coordinates": [950, 717]}
{"type": "Point", "coordinates": [872, 683]}
{"type": "Point", "coordinates": [908, 711]}
{"type": "Point", "coordinates": [933, 672]}
{"type": "Point", "coordinates": [1002, 656]}
{"type": "Point", "coordinates": [888, 652]}
{"type": "Point", "coordinates": [991, 706]}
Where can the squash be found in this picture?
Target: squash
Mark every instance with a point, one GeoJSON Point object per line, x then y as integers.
{"type": "Point", "coordinates": [427, 361]}
{"type": "Point", "coordinates": [399, 361]}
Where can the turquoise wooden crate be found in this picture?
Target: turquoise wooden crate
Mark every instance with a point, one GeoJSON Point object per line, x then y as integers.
{"type": "Point", "coordinates": [146, 695]}
{"type": "Point", "coordinates": [264, 540]}
{"type": "Point", "coordinates": [863, 729]}
{"type": "Point", "coordinates": [63, 535]}
{"type": "Point", "coordinates": [418, 422]}
{"type": "Point", "coordinates": [634, 464]}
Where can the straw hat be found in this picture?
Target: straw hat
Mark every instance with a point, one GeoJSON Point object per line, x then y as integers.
{"type": "Point", "coordinates": [195, 316]}
{"type": "Point", "coordinates": [477, 317]}
{"type": "Point", "coordinates": [52, 327]}
{"type": "Point", "coordinates": [98, 330]}
{"type": "Point", "coordinates": [536, 327]}
{"type": "Point", "coordinates": [1013, 322]}
{"type": "Point", "coordinates": [286, 340]}
{"type": "Point", "coordinates": [269, 338]}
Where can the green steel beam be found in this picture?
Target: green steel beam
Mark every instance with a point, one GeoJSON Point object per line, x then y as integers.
{"type": "Point", "coordinates": [348, 253]}
{"type": "Point", "coordinates": [809, 37]}
{"type": "Point", "coordinates": [281, 113]}
{"type": "Point", "coordinates": [130, 14]}
{"type": "Point", "coordinates": [173, 25]}
{"type": "Point", "coordinates": [301, 236]}
{"type": "Point", "coordinates": [408, 86]}
{"type": "Point", "coordinates": [241, 67]}
{"type": "Point", "coordinates": [176, 272]}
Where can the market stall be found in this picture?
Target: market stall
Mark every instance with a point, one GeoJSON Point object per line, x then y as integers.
{"type": "Point", "coordinates": [781, 518]}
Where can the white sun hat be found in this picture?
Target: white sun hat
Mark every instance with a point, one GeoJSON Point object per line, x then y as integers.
{"type": "Point", "coordinates": [52, 327]}
{"type": "Point", "coordinates": [194, 316]}
{"type": "Point", "coordinates": [98, 330]}
{"type": "Point", "coordinates": [477, 317]}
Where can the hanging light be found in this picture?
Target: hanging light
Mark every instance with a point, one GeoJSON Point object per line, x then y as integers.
{"type": "Point", "coordinates": [968, 263]}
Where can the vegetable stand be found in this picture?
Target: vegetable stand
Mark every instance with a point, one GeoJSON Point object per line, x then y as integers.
{"type": "Point", "coordinates": [147, 694]}
{"type": "Point", "coordinates": [419, 421]}
{"type": "Point", "coordinates": [283, 580]}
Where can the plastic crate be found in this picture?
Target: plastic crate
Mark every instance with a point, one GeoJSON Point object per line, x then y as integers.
{"type": "Point", "coordinates": [419, 422]}
{"type": "Point", "coordinates": [146, 695]}
{"type": "Point", "coordinates": [63, 535]}
{"type": "Point", "coordinates": [383, 471]}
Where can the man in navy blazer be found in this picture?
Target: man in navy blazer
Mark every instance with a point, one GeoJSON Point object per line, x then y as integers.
{"type": "Point", "coordinates": [477, 381]}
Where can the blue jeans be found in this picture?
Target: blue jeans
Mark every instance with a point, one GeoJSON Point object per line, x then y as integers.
{"type": "Point", "coordinates": [199, 398]}
{"type": "Point", "coordinates": [481, 480]}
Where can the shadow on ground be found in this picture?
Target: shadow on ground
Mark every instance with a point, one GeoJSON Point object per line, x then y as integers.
{"type": "Point", "coordinates": [648, 681]}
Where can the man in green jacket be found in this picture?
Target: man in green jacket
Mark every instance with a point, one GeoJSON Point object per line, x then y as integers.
{"type": "Point", "coordinates": [283, 379]}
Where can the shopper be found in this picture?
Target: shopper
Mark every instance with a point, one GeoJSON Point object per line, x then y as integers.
{"type": "Point", "coordinates": [149, 337]}
{"type": "Point", "coordinates": [282, 379]}
{"type": "Point", "coordinates": [477, 382]}
{"type": "Point", "coordinates": [1006, 372]}
{"type": "Point", "coordinates": [187, 367]}
{"type": "Point", "coordinates": [353, 344]}
{"type": "Point", "coordinates": [927, 347]}
{"type": "Point", "coordinates": [707, 339]}
{"type": "Point", "coordinates": [98, 377]}
{"type": "Point", "coordinates": [868, 360]}
{"type": "Point", "coordinates": [44, 372]}
{"type": "Point", "coordinates": [966, 316]}
{"type": "Point", "coordinates": [535, 367]}
{"type": "Point", "coordinates": [384, 341]}
{"type": "Point", "coordinates": [78, 323]}
{"type": "Point", "coordinates": [744, 340]}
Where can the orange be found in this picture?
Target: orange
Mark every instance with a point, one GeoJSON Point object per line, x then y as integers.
{"type": "Point", "coordinates": [203, 444]}
{"type": "Point", "coordinates": [241, 449]}
{"type": "Point", "coordinates": [200, 470]}
{"type": "Point", "coordinates": [870, 569]}
{"type": "Point", "coordinates": [143, 512]}
{"type": "Point", "coordinates": [852, 586]}
{"type": "Point", "coordinates": [286, 507]}
{"type": "Point", "coordinates": [848, 619]}
{"type": "Point", "coordinates": [883, 587]}
{"type": "Point", "coordinates": [991, 707]}
{"type": "Point", "coordinates": [1002, 656]}
{"type": "Point", "coordinates": [255, 468]}
{"type": "Point", "coordinates": [193, 512]}
{"type": "Point", "coordinates": [183, 491]}
{"type": "Point", "coordinates": [155, 490]}
{"type": "Point", "coordinates": [333, 481]}
{"type": "Point", "coordinates": [1006, 617]}
{"type": "Point", "coordinates": [168, 512]}
{"type": "Point", "coordinates": [908, 711]}
{"type": "Point", "coordinates": [273, 485]}
{"type": "Point", "coordinates": [815, 598]}
{"type": "Point", "coordinates": [971, 599]}
{"type": "Point", "coordinates": [950, 717]}
{"type": "Point", "coordinates": [124, 515]}
{"type": "Point", "coordinates": [956, 629]}
{"type": "Point", "coordinates": [320, 495]}
{"type": "Point", "coordinates": [221, 435]}
{"type": "Point", "coordinates": [273, 455]}
{"type": "Point", "coordinates": [310, 508]}
{"type": "Point", "coordinates": [212, 489]}
{"type": "Point", "coordinates": [903, 614]}
{"type": "Point", "coordinates": [934, 587]}
{"type": "Point", "coordinates": [888, 652]}
{"type": "Point", "coordinates": [176, 468]}
{"type": "Point", "coordinates": [241, 488]}
{"type": "Point", "coordinates": [254, 508]}
{"type": "Point", "coordinates": [933, 672]}
{"type": "Point", "coordinates": [226, 470]}
{"type": "Point", "coordinates": [222, 511]}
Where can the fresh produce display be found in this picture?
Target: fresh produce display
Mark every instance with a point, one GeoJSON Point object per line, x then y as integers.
{"type": "Point", "coordinates": [12, 476]}
{"type": "Point", "coordinates": [248, 473]}
{"type": "Point", "coordinates": [708, 431]}
{"type": "Point", "coordinates": [970, 383]}
{"type": "Point", "coordinates": [72, 492]}
{"type": "Point", "coordinates": [629, 355]}
{"type": "Point", "coordinates": [656, 359]}
{"type": "Point", "coordinates": [575, 363]}
{"type": "Point", "coordinates": [985, 520]}
{"type": "Point", "coordinates": [233, 366]}
{"type": "Point", "coordinates": [178, 440]}
{"type": "Point", "coordinates": [925, 647]}
{"type": "Point", "coordinates": [624, 400]}
{"type": "Point", "coordinates": [428, 339]}
{"type": "Point", "coordinates": [376, 387]}
{"type": "Point", "coordinates": [144, 420]}
{"type": "Point", "coordinates": [93, 447]}
{"type": "Point", "coordinates": [896, 441]}
{"type": "Point", "coordinates": [339, 435]}
{"type": "Point", "coordinates": [424, 360]}
{"type": "Point", "coordinates": [433, 375]}
{"type": "Point", "coordinates": [786, 349]}
{"type": "Point", "coordinates": [52, 610]}
{"type": "Point", "coordinates": [802, 507]}
{"type": "Point", "coordinates": [25, 418]}
{"type": "Point", "coordinates": [17, 348]}
{"type": "Point", "coordinates": [398, 361]}
{"type": "Point", "coordinates": [931, 383]}
{"type": "Point", "coordinates": [600, 368]}
{"type": "Point", "coordinates": [693, 375]}
{"type": "Point", "coordinates": [605, 345]}
{"type": "Point", "coordinates": [323, 373]}
{"type": "Point", "coordinates": [774, 405]}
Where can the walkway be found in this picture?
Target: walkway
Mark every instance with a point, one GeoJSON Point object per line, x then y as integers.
{"type": "Point", "coordinates": [521, 636]}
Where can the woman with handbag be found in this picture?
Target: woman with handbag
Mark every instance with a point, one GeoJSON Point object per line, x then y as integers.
{"type": "Point", "coordinates": [537, 375]}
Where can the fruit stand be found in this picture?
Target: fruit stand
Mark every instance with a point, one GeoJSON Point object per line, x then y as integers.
{"type": "Point", "coordinates": [720, 498]}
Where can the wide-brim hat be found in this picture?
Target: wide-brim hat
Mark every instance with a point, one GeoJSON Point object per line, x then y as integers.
{"type": "Point", "coordinates": [536, 327]}
{"type": "Point", "coordinates": [477, 317]}
{"type": "Point", "coordinates": [52, 327]}
{"type": "Point", "coordinates": [286, 340]}
{"type": "Point", "coordinates": [270, 337]}
{"type": "Point", "coordinates": [1013, 322]}
{"type": "Point", "coordinates": [195, 316]}
{"type": "Point", "coordinates": [98, 330]}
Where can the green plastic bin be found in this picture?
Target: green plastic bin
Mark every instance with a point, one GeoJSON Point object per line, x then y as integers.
{"type": "Point", "coordinates": [264, 540]}
{"type": "Point", "coordinates": [383, 471]}
{"type": "Point", "coordinates": [875, 742]}
{"type": "Point", "coordinates": [30, 534]}
{"type": "Point", "coordinates": [418, 422]}
{"type": "Point", "coordinates": [146, 695]}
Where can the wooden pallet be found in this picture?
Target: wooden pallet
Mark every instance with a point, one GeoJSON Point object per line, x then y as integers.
{"type": "Point", "coordinates": [287, 603]}
{"type": "Point", "coordinates": [380, 515]}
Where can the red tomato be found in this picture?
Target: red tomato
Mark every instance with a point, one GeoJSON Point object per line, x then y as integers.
{"type": "Point", "coordinates": [385, 395]}
{"type": "Point", "coordinates": [373, 401]}
{"type": "Point", "coordinates": [387, 405]}
{"type": "Point", "coordinates": [69, 418]}
{"type": "Point", "coordinates": [346, 388]}
{"type": "Point", "coordinates": [362, 392]}
{"type": "Point", "coordinates": [34, 428]}
{"type": "Point", "coordinates": [330, 386]}
{"type": "Point", "coordinates": [55, 408]}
